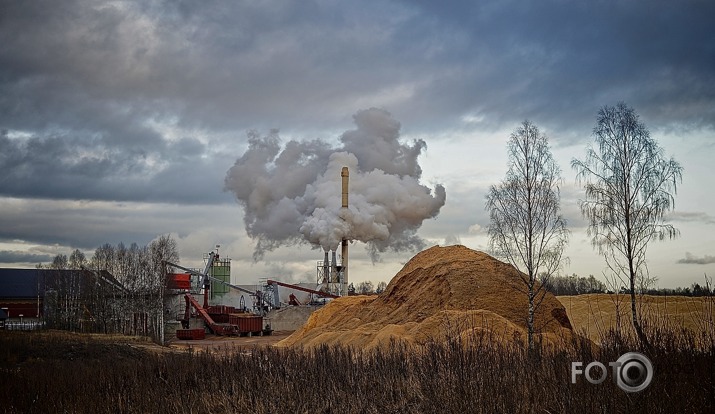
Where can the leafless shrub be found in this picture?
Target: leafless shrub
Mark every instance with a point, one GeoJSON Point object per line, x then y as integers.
{"type": "Point", "coordinates": [49, 373]}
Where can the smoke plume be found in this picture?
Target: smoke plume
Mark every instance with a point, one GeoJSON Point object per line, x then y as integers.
{"type": "Point", "coordinates": [291, 193]}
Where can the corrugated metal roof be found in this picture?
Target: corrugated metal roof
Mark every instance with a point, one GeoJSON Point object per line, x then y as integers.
{"type": "Point", "coordinates": [24, 283]}
{"type": "Point", "coordinates": [19, 283]}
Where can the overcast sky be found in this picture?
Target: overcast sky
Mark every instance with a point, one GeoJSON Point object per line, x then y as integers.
{"type": "Point", "coordinates": [120, 120]}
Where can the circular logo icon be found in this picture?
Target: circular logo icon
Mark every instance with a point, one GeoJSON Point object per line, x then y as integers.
{"type": "Point", "coordinates": [634, 373]}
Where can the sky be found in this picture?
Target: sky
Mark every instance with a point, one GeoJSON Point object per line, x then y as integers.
{"type": "Point", "coordinates": [121, 121]}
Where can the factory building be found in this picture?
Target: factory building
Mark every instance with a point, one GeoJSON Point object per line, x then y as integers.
{"type": "Point", "coordinates": [22, 292]}
{"type": "Point", "coordinates": [32, 295]}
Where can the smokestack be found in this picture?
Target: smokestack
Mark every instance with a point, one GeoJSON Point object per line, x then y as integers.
{"type": "Point", "coordinates": [334, 269]}
{"type": "Point", "coordinates": [326, 268]}
{"type": "Point", "coordinates": [345, 174]}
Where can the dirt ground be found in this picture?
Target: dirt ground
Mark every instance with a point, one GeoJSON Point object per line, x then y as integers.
{"type": "Point", "coordinates": [229, 343]}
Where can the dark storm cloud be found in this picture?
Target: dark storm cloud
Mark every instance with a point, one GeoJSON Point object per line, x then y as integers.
{"type": "Point", "coordinates": [71, 167]}
{"type": "Point", "coordinates": [223, 65]}
{"type": "Point", "coordinates": [12, 256]}
{"type": "Point", "coordinates": [81, 85]}
{"type": "Point", "coordinates": [691, 259]}
{"type": "Point", "coordinates": [89, 224]}
{"type": "Point", "coordinates": [558, 61]}
{"type": "Point", "coordinates": [86, 87]}
{"type": "Point", "coordinates": [71, 224]}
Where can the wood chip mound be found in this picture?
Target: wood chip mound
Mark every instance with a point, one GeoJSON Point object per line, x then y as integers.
{"type": "Point", "coordinates": [441, 293]}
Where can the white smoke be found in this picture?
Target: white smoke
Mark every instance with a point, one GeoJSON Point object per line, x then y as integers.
{"type": "Point", "coordinates": [292, 194]}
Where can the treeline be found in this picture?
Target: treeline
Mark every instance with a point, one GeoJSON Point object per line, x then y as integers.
{"type": "Point", "coordinates": [119, 289]}
{"type": "Point", "coordinates": [693, 290]}
{"type": "Point", "coordinates": [575, 285]}
{"type": "Point", "coordinates": [567, 286]}
{"type": "Point", "coordinates": [366, 288]}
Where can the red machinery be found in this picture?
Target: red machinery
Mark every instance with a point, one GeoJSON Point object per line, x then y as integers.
{"type": "Point", "coordinates": [292, 300]}
{"type": "Point", "coordinates": [296, 287]}
{"type": "Point", "coordinates": [215, 327]}
{"type": "Point", "coordinates": [236, 323]}
{"type": "Point", "coordinates": [220, 319]}
{"type": "Point", "coordinates": [226, 320]}
{"type": "Point", "coordinates": [204, 276]}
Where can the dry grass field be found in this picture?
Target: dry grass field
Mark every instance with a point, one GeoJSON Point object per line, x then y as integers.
{"type": "Point", "coordinates": [595, 315]}
{"type": "Point", "coordinates": [55, 372]}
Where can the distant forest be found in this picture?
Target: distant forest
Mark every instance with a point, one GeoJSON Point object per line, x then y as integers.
{"type": "Point", "coordinates": [575, 285]}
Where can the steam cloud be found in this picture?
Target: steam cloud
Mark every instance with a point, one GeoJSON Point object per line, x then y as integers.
{"type": "Point", "coordinates": [291, 194]}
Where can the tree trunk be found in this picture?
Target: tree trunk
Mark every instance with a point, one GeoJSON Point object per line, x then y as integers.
{"type": "Point", "coordinates": [530, 320]}
{"type": "Point", "coordinates": [636, 323]}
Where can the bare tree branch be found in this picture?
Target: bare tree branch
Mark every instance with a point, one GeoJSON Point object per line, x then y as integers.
{"type": "Point", "coordinates": [630, 186]}
{"type": "Point", "coordinates": [526, 227]}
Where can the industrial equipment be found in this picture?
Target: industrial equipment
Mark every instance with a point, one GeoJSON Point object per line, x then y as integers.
{"type": "Point", "coordinates": [333, 276]}
{"type": "Point", "coordinates": [220, 319]}
{"type": "Point", "coordinates": [230, 321]}
{"type": "Point", "coordinates": [293, 300]}
{"type": "Point", "coordinates": [345, 175]}
{"type": "Point", "coordinates": [276, 283]}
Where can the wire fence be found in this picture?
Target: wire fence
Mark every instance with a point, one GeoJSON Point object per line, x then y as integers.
{"type": "Point", "coordinates": [23, 325]}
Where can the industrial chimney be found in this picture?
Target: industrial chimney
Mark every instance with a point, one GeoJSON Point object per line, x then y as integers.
{"type": "Point", "coordinates": [326, 270]}
{"type": "Point", "coordinates": [345, 174]}
{"type": "Point", "coordinates": [334, 270]}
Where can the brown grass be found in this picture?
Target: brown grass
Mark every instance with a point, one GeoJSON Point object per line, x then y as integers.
{"type": "Point", "coordinates": [595, 315]}
{"type": "Point", "coordinates": [50, 373]}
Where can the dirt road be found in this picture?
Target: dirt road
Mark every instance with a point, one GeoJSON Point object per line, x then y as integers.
{"type": "Point", "coordinates": [229, 343]}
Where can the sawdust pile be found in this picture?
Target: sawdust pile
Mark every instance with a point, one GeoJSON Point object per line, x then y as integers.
{"type": "Point", "coordinates": [441, 292]}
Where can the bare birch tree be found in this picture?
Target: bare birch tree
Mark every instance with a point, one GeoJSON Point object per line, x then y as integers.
{"type": "Point", "coordinates": [526, 226]}
{"type": "Point", "coordinates": [630, 186]}
{"type": "Point", "coordinates": [162, 250]}
{"type": "Point", "coordinates": [142, 273]}
{"type": "Point", "coordinates": [77, 260]}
